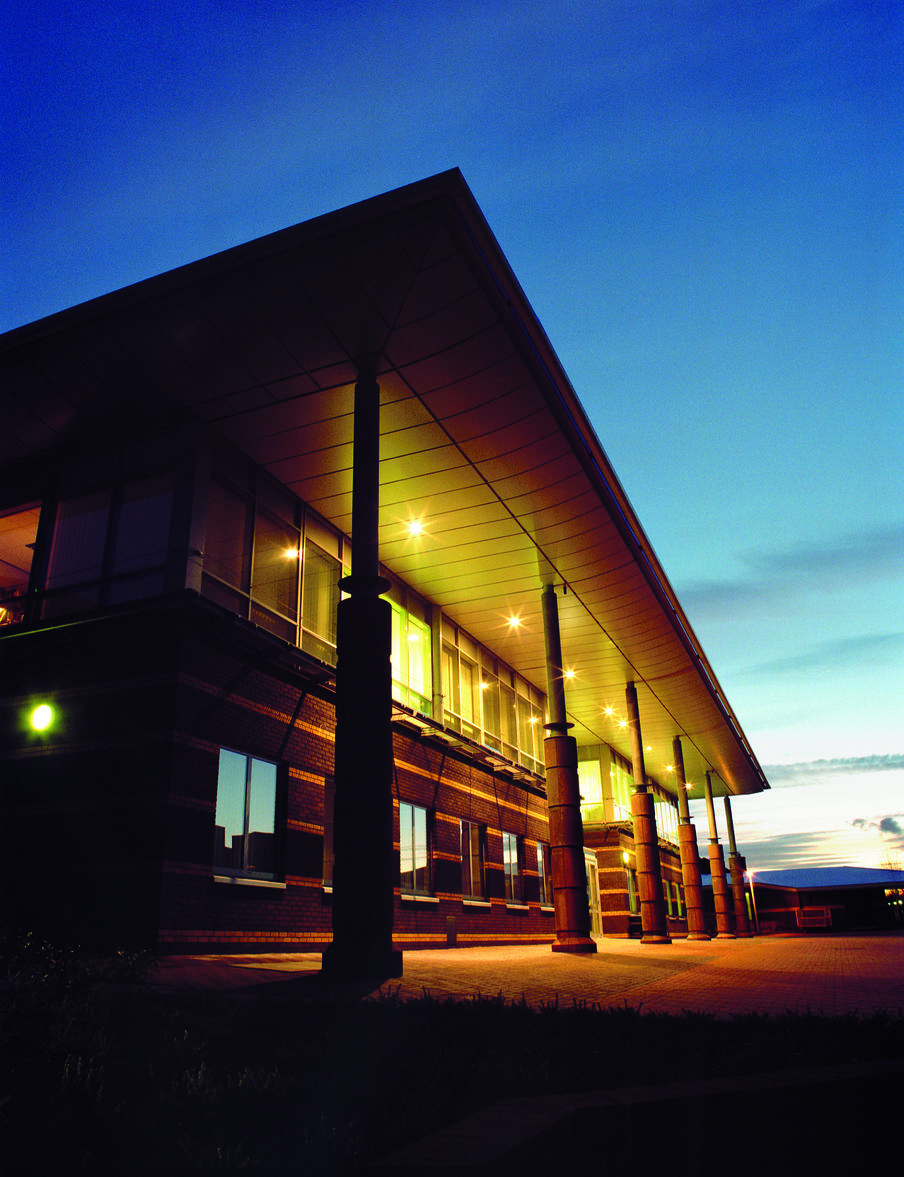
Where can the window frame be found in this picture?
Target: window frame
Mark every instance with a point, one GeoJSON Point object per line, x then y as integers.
{"type": "Point", "coordinates": [512, 867]}
{"type": "Point", "coordinates": [246, 872]}
{"type": "Point", "coordinates": [415, 820]}
{"type": "Point", "coordinates": [471, 833]}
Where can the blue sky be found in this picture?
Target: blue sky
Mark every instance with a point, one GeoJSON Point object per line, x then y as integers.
{"type": "Point", "coordinates": [703, 202]}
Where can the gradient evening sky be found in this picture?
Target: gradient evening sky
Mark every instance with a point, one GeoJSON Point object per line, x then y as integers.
{"type": "Point", "coordinates": [704, 204]}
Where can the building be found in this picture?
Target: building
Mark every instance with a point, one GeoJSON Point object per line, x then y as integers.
{"type": "Point", "coordinates": [182, 462]}
{"type": "Point", "coordinates": [825, 898]}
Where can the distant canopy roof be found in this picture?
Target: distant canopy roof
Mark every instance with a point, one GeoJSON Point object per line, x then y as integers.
{"type": "Point", "coordinates": [483, 438]}
{"type": "Point", "coordinates": [826, 878]}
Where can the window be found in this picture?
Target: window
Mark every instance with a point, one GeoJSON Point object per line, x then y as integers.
{"type": "Point", "coordinates": [590, 783]}
{"type": "Point", "coordinates": [633, 898]}
{"type": "Point", "coordinates": [245, 816]}
{"type": "Point", "coordinates": [276, 555]}
{"type": "Point", "coordinates": [320, 600]}
{"type": "Point", "coordinates": [414, 856]}
{"type": "Point", "coordinates": [485, 701]}
{"type": "Point", "coordinates": [412, 675]}
{"type": "Point", "coordinates": [511, 866]}
{"type": "Point", "coordinates": [544, 873]}
{"type": "Point", "coordinates": [666, 818]}
{"type": "Point", "coordinates": [109, 546]}
{"type": "Point", "coordinates": [621, 782]}
{"type": "Point", "coordinates": [329, 806]}
{"type": "Point", "coordinates": [18, 532]}
{"type": "Point", "coordinates": [473, 860]}
{"type": "Point", "coordinates": [679, 901]}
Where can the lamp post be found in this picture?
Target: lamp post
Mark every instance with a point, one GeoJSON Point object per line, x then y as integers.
{"type": "Point", "coordinates": [756, 921]}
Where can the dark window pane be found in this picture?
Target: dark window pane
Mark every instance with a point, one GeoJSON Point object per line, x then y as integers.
{"type": "Point", "coordinates": [226, 551]}
{"type": "Point", "coordinates": [320, 593]}
{"type": "Point", "coordinates": [275, 569]}
{"type": "Point", "coordinates": [141, 527]}
{"type": "Point", "coordinates": [79, 534]}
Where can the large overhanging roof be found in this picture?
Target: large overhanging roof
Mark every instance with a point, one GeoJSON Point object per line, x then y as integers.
{"type": "Point", "coordinates": [483, 438]}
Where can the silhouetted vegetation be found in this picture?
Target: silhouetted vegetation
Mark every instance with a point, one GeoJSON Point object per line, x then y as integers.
{"type": "Point", "coordinates": [101, 1074]}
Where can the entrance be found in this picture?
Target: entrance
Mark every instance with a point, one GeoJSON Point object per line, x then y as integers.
{"type": "Point", "coordinates": [593, 892]}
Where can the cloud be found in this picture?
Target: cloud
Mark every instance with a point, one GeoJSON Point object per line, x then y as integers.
{"type": "Point", "coordinates": [769, 578]}
{"type": "Point", "coordinates": [815, 772]}
{"type": "Point", "coordinates": [819, 848]}
{"type": "Point", "coordinates": [885, 825]}
{"type": "Point", "coordinates": [854, 652]}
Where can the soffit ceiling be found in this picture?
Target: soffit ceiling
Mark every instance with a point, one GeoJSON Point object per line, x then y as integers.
{"type": "Point", "coordinates": [482, 438]}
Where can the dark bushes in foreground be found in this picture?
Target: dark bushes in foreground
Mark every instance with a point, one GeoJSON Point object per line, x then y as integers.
{"type": "Point", "coordinates": [101, 1075]}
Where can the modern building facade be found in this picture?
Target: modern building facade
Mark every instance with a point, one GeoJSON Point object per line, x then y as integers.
{"type": "Point", "coordinates": [193, 492]}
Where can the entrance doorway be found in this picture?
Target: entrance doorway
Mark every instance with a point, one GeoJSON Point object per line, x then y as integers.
{"type": "Point", "coordinates": [593, 892]}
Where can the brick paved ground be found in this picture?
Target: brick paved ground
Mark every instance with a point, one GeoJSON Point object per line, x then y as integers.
{"type": "Point", "coordinates": [829, 974]}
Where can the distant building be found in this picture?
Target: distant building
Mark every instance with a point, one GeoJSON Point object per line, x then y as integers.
{"type": "Point", "coordinates": [176, 516]}
{"type": "Point", "coordinates": [829, 897]}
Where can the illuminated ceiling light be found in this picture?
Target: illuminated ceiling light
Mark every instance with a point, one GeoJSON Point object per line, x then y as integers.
{"type": "Point", "coordinates": [484, 686]}
{"type": "Point", "coordinates": [415, 527]}
{"type": "Point", "coordinates": [670, 768]}
{"type": "Point", "coordinates": [569, 674]}
{"type": "Point", "coordinates": [610, 711]}
{"type": "Point", "coordinates": [42, 717]}
{"type": "Point", "coordinates": [514, 622]}
{"type": "Point", "coordinates": [649, 748]}
{"type": "Point", "coordinates": [623, 723]}
{"type": "Point", "coordinates": [292, 553]}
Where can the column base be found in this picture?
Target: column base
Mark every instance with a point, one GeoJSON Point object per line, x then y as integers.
{"type": "Point", "coordinates": [575, 944]}
{"type": "Point", "coordinates": [726, 936]}
{"type": "Point", "coordinates": [699, 936]}
{"type": "Point", "coordinates": [359, 964]}
{"type": "Point", "coordinates": [744, 935]}
{"type": "Point", "coordinates": [655, 938]}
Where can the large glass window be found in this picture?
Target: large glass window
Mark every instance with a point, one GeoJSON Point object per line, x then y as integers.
{"type": "Point", "coordinates": [245, 842]}
{"type": "Point", "coordinates": [511, 865]}
{"type": "Point", "coordinates": [18, 532]}
{"type": "Point", "coordinates": [590, 783]}
{"type": "Point", "coordinates": [414, 850]}
{"type": "Point", "coordinates": [666, 818]}
{"type": "Point", "coordinates": [473, 860]}
{"type": "Point", "coordinates": [276, 555]}
{"type": "Point", "coordinates": [544, 872]}
{"type": "Point", "coordinates": [530, 732]}
{"type": "Point", "coordinates": [109, 545]}
{"type": "Point", "coordinates": [321, 574]}
{"type": "Point", "coordinates": [227, 547]}
{"type": "Point", "coordinates": [621, 783]}
{"type": "Point", "coordinates": [412, 676]}
{"type": "Point", "coordinates": [486, 702]}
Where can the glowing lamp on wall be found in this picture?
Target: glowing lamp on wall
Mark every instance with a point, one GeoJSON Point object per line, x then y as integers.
{"type": "Point", "coordinates": [42, 717]}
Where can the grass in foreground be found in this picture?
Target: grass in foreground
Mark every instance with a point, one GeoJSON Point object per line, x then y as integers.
{"type": "Point", "coordinates": [102, 1075]}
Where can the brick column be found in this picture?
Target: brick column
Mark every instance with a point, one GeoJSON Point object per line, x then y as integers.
{"type": "Point", "coordinates": [365, 870]}
{"type": "Point", "coordinates": [646, 840]}
{"type": "Point", "coordinates": [736, 867]}
{"type": "Point", "coordinates": [717, 870]}
{"type": "Point", "coordinates": [687, 848]}
{"type": "Point", "coordinates": [566, 831]}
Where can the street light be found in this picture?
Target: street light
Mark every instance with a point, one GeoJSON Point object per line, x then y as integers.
{"type": "Point", "coordinates": [756, 922]}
